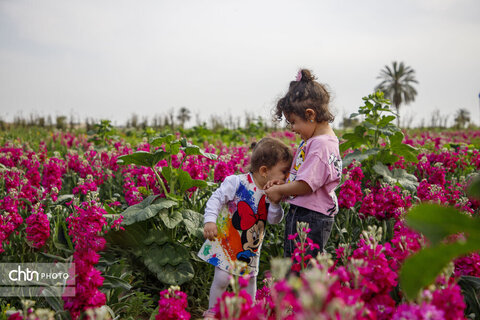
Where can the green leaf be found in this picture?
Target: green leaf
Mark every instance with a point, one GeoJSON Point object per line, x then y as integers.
{"type": "Point", "coordinates": [436, 222]}
{"type": "Point", "coordinates": [397, 138]}
{"type": "Point", "coordinates": [162, 139]}
{"type": "Point", "coordinates": [171, 219]}
{"type": "Point", "coordinates": [131, 237]}
{"type": "Point", "coordinates": [386, 120]}
{"type": "Point", "coordinates": [170, 263]}
{"type": "Point", "coordinates": [474, 188]}
{"type": "Point", "coordinates": [422, 268]}
{"type": "Point", "coordinates": [174, 147]}
{"type": "Point", "coordinates": [176, 275]}
{"type": "Point", "coordinates": [193, 222]}
{"type": "Point", "coordinates": [54, 257]}
{"type": "Point", "coordinates": [61, 239]}
{"type": "Point", "coordinates": [109, 210]}
{"type": "Point", "coordinates": [64, 198]}
{"type": "Point", "coordinates": [142, 158]}
{"type": "Point", "coordinates": [167, 174]}
{"type": "Point", "coordinates": [111, 282]}
{"type": "Point", "coordinates": [148, 208]}
{"type": "Point", "coordinates": [355, 139]}
{"type": "Point", "coordinates": [406, 151]}
{"type": "Point", "coordinates": [156, 236]}
{"type": "Point", "coordinates": [191, 150]}
{"type": "Point", "coordinates": [397, 177]}
{"type": "Point", "coordinates": [359, 156]}
{"type": "Point", "coordinates": [186, 182]}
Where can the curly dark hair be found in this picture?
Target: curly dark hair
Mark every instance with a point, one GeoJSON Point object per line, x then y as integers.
{"type": "Point", "coordinates": [304, 94]}
{"type": "Point", "coordinates": [268, 152]}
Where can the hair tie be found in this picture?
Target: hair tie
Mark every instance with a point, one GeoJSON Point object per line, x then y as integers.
{"type": "Point", "coordinates": [299, 76]}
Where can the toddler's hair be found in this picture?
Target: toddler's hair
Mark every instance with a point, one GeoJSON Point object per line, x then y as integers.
{"type": "Point", "coordinates": [302, 94]}
{"type": "Point", "coordinates": [268, 152]}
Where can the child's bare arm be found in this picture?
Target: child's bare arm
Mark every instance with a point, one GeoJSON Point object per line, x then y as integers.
{"type": "Point", "coordinates": [296, 188]}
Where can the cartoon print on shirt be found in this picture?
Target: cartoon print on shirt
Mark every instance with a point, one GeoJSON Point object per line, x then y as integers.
{"type": "Point", "coordinates": [300, 158]}
{"type": "Point", "coordinates": [337, 163]}
{"type": "Point", "coordinates": [252, 226]}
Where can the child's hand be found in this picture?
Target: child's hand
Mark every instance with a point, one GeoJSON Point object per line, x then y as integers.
{"type": "Point", "coordinates": [210, 230]}
{"type": "Point", "coordinates": [273, 194]}
{"type": "Point", "coordinates": [271, 183]}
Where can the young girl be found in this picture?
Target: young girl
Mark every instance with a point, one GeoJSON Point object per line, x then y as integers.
{"type": "Point", "coordinates": [236, 215]}
{"type": "Point", "coordinates": [317, 166]}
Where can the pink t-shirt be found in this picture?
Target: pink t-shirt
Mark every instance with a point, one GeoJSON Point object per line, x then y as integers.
{"type": "Point", "coordinates": [318, 163]}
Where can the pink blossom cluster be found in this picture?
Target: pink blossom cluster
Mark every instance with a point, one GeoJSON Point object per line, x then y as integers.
{"type": "Point", "coordinates": [85, 227]}
{"type": "Point", "coordinates": [172, 305]}
{"type": "Point", "coordinates": [351, 190]}
{"type": "Point", "coordinates": [384, 202]}
{"type": "Point", "coordinates": [38, 228]}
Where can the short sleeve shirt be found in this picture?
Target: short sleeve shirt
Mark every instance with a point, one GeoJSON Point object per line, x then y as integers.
{"type": "Point", "coordinates": [317, 162]}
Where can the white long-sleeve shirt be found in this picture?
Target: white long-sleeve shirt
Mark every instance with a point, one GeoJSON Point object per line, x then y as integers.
{"type": "Point", "coordinates": [226, 192]}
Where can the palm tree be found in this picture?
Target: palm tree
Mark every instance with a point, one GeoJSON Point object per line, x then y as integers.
{"type": "Point", "coordinates": [462, 118]}
{"type": "Point", "coordinates": [397, 85]}
{"type": "Point", "coordinates": [183, 116]}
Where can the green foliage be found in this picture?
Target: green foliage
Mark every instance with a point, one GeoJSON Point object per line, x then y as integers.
{"type": "Point", "coordinates": [471, 292]}
{"type": "Point", "coordinates": [377, 143]}
{"type": "Point", "coordinates": [367, 137]}
{"type": "Point", "coordinates": [156, 228]}
{"type": "Point", "coordinates": [436, 223]}
{"type": "Point", "coordinates": [102, 132]}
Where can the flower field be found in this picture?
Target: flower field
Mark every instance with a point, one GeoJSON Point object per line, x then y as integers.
{"type": "Point", "coordinates": [128, 213]}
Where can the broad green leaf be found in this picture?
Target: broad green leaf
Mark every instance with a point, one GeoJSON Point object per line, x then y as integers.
{"type": "Point", "coordinates": [186, 182]}
{"type": "Point", "coordinates": [386, 131]}
{"type": "Point", "coordinates": [359, 156]}
{"type": "Point", "coordinates": [385, 120]}
{"type": "Point", "coordinates": [397, 177]}
{"type": "Point", "coordinates": [353, 115]}
{"type": "Point", "coordinates": [167, 174]}
{"type": "Point", "coordinates": [142, 158]}
{"type": "Point", "coordinates": [171, 219]}
{"type": "Point", "coordinates": [156, 236]}
{"type": "Point", "coordinates": [191, 150]}
{"type": "Point", "coordinates": [176, 275]}
{"type": "Point", "coordinates": [406, 151]}
{"type": "Point", "coordinates": [146, 209]}
{"type": "Point", "coordinates": [370, 126]}
{"type": "Point", "coordinates": [171, 253]}
{"type": "Point", "coordinates": [436, 222]}
{"type": "Point", "coordinates": [355, 139]}
{"type": "Point", "coordinates": [422, 268]}
{"type": "Point", "coordinates": [174, 147]}
{"type": "Point", "coordinates": [160, 140]}
{"type": "Point", "coordinates": [131, 237]}
{"type": "Point", "coordinates": [170, 263]}
{"type": "Point", "coordinates": [139, 158]}
{"type": "Point", "coordinates": [397, 138]}
{"type": "Point", "coordinates": [386, 157]}
{"type": "Point", "coordinates": [193, 222]}
{"type": "Point", "coordinates": [474, 188]}
{"type": "Point", "coordinates": [405, 179]}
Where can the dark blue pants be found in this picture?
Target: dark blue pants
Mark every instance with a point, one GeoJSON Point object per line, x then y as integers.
{"type": "Point", "coordinates": [321, 225]}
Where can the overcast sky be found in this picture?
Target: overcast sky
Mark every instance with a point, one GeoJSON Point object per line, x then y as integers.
{"type": "Point", "coordinates": [109, 59]}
